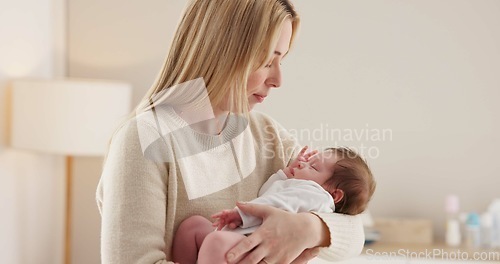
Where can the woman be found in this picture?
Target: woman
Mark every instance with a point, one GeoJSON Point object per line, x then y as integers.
{"type": "Point", "coordinates": [195, 147]}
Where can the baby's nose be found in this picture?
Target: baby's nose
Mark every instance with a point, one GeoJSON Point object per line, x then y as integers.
{"type": "Point", "coordinates": [301, 165]}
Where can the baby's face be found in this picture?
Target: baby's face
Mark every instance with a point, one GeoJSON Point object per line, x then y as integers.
{"type": "Point", "coordinates": [319, 168]}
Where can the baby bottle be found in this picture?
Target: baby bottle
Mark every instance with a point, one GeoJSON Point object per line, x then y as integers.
{"type": "Point", "coordinates": [453, 237]}
{"type": "Point", "coordinates": [473, 231]}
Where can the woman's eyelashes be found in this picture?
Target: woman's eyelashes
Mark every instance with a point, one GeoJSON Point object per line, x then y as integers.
{"type": "Point", "coordinates": [271, 64]}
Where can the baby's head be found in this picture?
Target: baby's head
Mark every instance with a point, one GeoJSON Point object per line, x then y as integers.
{"type": "Point", "coordinates": [351, 183]}
{"type": "Point", "coordinates": [342, 173]}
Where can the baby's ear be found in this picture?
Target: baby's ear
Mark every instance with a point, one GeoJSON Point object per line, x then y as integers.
{"type": "Point", "coordinates": [337, 195]}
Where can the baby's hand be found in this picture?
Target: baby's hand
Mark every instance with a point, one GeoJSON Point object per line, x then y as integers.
{"type": "Point", "coordinates": [230, 218]}
{"type": "Point", "coordinates": [302, 156]}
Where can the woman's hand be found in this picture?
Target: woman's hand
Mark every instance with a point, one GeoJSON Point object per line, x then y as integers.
{"type": "Point", "coordinates": [283, 237]}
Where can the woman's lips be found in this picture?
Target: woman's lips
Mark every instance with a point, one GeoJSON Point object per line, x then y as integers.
{"type": "Point", "coordinates": [260, 98]}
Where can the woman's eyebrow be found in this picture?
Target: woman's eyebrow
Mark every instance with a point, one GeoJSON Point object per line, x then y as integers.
{"type": "Point", "coordinates": [279, 53]}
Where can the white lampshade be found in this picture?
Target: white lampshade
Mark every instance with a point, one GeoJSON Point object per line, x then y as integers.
{"type": "Point", "coordinates": [67, 117]}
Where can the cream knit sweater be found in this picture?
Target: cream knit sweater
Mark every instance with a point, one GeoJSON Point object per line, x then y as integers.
{"type": "Point", "coordinates": [151, 183]}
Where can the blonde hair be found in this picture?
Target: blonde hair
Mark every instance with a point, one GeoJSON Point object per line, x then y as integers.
{"type": "Point", "coordinates": [222, 41]}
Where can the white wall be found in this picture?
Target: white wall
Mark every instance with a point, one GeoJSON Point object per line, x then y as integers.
{"type": "Point", "coordinates": [422, 70]}
{"type": "Point", "coordinates": [31, 185]}
{"type": "Point", "coordinates": [124, 40]}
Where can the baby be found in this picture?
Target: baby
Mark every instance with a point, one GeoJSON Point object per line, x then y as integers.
{"type": "Point", "coordinates": [335, 180]}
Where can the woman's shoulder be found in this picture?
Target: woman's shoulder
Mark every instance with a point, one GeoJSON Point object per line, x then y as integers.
{"type": "Point", "coordinates": [131, 129]}
{"type": "Point", "coordinates": [146, 126]}
{"type": "Point", "coordinates": [143, 132]}
{"type": "Point", "coordinates": [126, 131]}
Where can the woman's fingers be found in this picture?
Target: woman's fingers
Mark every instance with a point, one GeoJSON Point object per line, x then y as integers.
{"type": "Point", "coordinates": [243, 247]}
{"type": "Point", "coordinates": [256, 256]}
{"type": "Point", "coordinates": [306, 256]}
{"type": "Point", "coordinates": [274, 241]}
{"type": "Point", "coordinates": [249, 243]}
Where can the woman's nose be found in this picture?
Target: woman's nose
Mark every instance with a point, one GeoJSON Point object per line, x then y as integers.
{"type": "Point", "coordinates": [274, 79]}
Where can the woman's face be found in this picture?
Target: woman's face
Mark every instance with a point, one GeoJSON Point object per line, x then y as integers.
{"type": "Point", "coordinates": [263, 79]}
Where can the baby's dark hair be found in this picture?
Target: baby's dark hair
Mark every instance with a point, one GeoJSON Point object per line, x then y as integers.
{"type": "Point", "coordinates": [353, 176]}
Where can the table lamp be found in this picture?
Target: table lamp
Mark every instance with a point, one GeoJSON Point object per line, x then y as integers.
{"type": "Point", "coordinates": [68, 117]}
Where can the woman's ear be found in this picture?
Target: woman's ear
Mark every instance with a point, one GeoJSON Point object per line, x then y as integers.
{"type": "Point", "coordinates": [337, 195]}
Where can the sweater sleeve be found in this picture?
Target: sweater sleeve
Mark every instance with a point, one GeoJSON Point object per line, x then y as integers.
{"type": "Point", "coordinates": [131, 197]}
{"type": "Point", "coordinates": [346, 236]}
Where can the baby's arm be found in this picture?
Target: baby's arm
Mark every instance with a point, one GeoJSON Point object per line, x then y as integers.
{"type": "Point", "coordinates": [230, 218]}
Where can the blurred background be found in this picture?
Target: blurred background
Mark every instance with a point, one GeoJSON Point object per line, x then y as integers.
{"type": "Point", "coordinates": [412, 85]}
